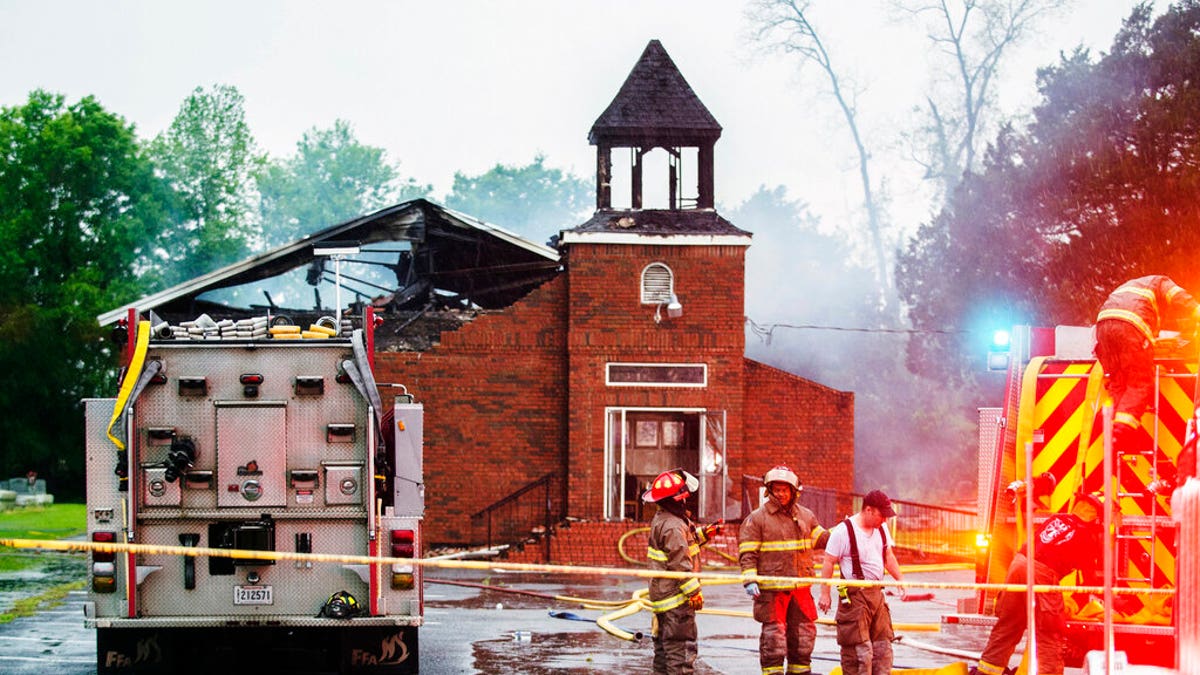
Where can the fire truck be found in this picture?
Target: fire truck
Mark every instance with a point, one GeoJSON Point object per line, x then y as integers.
{"type": "Point", "coordinates": [1053, 411]}
{"type": "Point", "coordinates": [271, 441]}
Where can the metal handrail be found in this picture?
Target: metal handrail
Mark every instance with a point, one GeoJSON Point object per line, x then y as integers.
{"type": "Point", "coordinates": [548, 516]}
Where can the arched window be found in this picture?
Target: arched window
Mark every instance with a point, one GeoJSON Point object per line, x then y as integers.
{"type": "Point", "coordinates": [658, 284]}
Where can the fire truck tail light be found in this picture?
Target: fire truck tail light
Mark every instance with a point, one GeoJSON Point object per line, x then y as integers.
{"type": "Point", "coordinates": [104, 577]}
{"type": "Point", "coordinates": [403, 581]}
{"type": "Point", "coordinates": [103, 537]}
{"type": "Point", "coordinates": [402, 543]}
{"type": "Point", "coordinates": [251, 378]}
{"type": "Point", "coordinates": [403, 546]}
{"type": "Point", "coordinates": [982, 540]}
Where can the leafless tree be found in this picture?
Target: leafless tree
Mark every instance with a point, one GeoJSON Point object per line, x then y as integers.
{"type": "Point", "coordinates": [784, 25]}
{"type": "Point", "coordinates": [971, 37]}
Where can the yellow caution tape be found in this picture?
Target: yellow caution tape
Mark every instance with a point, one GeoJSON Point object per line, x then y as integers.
{"type": "Point", "coordinates": [191, 551]}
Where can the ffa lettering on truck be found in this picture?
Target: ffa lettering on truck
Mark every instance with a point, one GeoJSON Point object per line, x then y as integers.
{"type": "Point", "coordinates": [239, 439]}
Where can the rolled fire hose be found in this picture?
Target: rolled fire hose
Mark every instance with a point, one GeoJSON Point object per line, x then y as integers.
{"type": "Point", "coordinates": [130, 380]}
{"type": "Point", "coordinates": [642, 563]}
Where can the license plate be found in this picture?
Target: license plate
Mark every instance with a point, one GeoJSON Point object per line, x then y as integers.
{"type": "Point", "coordinates": [253, 595]}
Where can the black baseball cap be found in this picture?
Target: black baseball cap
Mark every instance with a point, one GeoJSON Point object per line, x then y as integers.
{"type": "Point", "coordinates": [877, 499]}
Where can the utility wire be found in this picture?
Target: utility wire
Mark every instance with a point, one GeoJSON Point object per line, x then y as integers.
{"type": "Point", "coordinates": [767, 331]}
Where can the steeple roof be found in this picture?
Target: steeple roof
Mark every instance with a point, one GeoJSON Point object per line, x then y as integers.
{"type": "Point", "coordinates": [655, 106]}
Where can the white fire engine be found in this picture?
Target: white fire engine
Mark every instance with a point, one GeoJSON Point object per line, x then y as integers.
{"type": "Point", "coordinates": [253, 439]}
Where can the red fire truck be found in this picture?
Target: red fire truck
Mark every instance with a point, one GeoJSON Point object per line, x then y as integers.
{"type": "Point", "coordinates": [1053, 406]}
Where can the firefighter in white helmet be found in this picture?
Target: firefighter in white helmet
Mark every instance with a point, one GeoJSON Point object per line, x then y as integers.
{"type": "Point", "coordinates": [777, 540]}
{"type": "Point", "coordinates": [675, 546]}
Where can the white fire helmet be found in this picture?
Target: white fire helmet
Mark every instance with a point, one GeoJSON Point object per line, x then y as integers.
{"type": "Point", "coordinates": [782, 474]}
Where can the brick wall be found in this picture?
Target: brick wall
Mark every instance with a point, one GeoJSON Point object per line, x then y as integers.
{"type": "Point", "coordinates": [794, 421]}
{"type": "Point", "coordinates": [608, 323]}
{"type": "Point", "coordinates": [516, 393]}
{"type": "Point", "coordinates": [494, 393]}
{"type": "Point", "coordinates": [600, 544]}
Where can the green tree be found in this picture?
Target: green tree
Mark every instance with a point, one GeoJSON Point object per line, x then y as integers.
{"type": "Point", "coordinates": [78, 199]}
{"type": "Point", "coordinates": [209, 157]}
{"type": "Point", "coordinates": [331, 178]}
{"type": "Point", "coordinates": [533, 201]}
{"type": "Point", "coordinates": [1101, 187]}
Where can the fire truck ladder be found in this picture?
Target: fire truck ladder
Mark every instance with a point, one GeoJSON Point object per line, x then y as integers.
{"type": "Point", "coordinates": [1141, 531]}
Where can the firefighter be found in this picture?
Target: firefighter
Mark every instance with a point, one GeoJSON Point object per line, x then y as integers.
{"type": "Point", "coordinates": [675, 546]}
{"type": "Point", "coordinates": [862, 545]}
{"type": "Point", "coordinates": [1065, 542]}
{"type": "Point", "coordinates": [1126, 327]}
{"type": "Point", "coordinates": [777, 540]}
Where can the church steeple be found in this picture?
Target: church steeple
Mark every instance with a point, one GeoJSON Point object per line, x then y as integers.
{"type": "Point", "coordinates": [655, 108]}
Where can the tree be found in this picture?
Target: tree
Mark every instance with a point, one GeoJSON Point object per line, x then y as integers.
{"type": "Point", "coordinates": [331, 178]}
{"type": "Point", "coordinates": [784, 25]}
{"type": "Point", "coordinates": [1100, 188]}
{"type": "Point", "coordinates": [208, 155]}
{"type": "Point", "coordinates": [78, 201]}
{"type": "Point", "coordinates": [533, 201]}
{"type": "Point", "coordinates": [972, 36]}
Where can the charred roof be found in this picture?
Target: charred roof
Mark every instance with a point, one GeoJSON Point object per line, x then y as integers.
{"type": "Point", "coordinates": [655, 106]}
{"type": "Point", "coordinates": [421, 254]}
{"type": "Point", "coordinates": [662, 222]}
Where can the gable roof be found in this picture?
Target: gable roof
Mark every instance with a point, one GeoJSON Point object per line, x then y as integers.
{"type": "Point", "coordinates": [655, 106]}
{"type": "Point", "coordinates": [452, 251]}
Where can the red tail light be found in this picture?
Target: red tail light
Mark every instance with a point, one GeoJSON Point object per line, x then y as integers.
{"type": "Point", "coordinates": [402, 543]}
{"type": "Point", "coordinates": [104, 538]}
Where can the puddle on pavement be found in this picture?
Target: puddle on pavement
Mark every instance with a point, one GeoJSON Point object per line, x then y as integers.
{"type": "Point", "coordinates": [556, 653]}
{"type": "Point", "coordinates": [49, 571]}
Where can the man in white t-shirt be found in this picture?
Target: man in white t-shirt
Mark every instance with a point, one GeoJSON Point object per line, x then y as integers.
{"type": "Point", "coordinates": [864, 623]}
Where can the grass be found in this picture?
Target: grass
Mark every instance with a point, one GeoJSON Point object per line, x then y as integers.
{"type": "Point", "coordinates": [50, 598]}
{"type": "Point", "coordinates": [56, 521]}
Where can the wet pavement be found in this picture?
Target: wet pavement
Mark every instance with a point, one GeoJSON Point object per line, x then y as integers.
{"type": "Point", "coordinates": [490, 631]}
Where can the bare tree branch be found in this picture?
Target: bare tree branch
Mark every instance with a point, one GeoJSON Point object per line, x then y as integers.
{"type": "Point", "coordinates": [974, 36]}
{"type": "Point", "coordinates": [784, 25]}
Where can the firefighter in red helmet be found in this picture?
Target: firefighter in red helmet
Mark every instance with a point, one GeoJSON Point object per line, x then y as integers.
{"type": "Point", "coordinates": [777, 540]}
{"type": "Point", "coordinates": [675, 546]}
{"type": "Point", "coordinates": [1126, 327]}
{"type": "Point", "coordinates": [1065, 542]}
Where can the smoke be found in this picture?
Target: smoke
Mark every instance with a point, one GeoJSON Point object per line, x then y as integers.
{"type": "Point", "coordinates": [815, 311]}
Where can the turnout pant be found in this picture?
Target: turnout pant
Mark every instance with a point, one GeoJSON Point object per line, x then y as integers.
{"type": "Point", "coordinates": [1011, 620]}
{"type": "Point", "coordinates": [864, 632]}
{"type": "Point", "coordinates": [788, 631]}
{"type": "Point", "coordinates": [675, 641]}
{"type": "Point", "coordinates": [1128, 359]}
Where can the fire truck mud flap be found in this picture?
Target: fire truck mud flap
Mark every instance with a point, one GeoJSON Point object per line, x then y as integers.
{"type": "Point", "coordinates": [349, 650]}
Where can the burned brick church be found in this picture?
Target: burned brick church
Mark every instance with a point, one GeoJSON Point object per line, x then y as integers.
{"type": "Point", "coordinates": [558, 381]}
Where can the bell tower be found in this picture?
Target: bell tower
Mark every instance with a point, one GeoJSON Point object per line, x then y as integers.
{"type": "Point", "coordinates": [656, 108]}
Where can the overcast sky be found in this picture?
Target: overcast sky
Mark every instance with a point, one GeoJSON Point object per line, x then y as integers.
{"type": "Point", "coordinates": [446, 86]}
